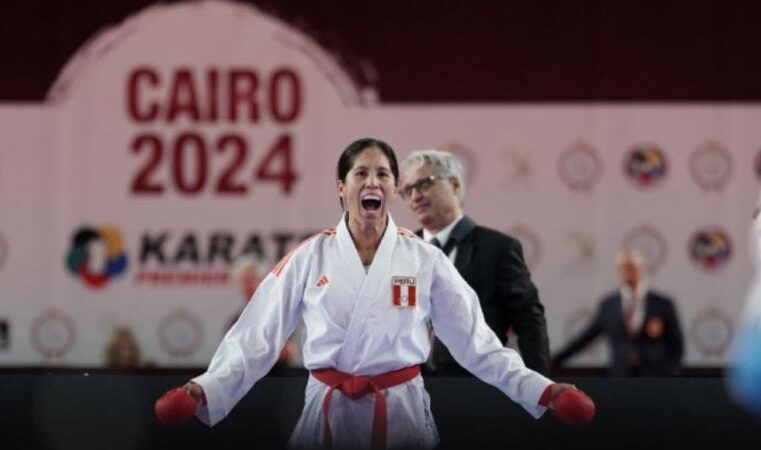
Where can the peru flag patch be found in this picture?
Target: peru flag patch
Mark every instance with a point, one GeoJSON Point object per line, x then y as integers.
{"type": "Point", "coordinates": [404, 291]}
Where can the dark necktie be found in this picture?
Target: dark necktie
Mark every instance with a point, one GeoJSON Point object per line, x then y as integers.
{"type": "Point", "coordinates": [447, 248]}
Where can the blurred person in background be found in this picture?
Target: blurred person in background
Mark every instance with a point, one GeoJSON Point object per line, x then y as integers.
{"type": "Point", "coordinates": [122, 350]}
{"type": "Point", "coordinates": [248, 272]}
{"type": "Point", "coordinates": [641, 325]}
{"type": "Point", "coordinates": [433, 184]}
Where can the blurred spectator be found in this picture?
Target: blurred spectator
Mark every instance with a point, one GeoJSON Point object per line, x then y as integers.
{"type": "Point", "coordinates": [248, 272]}
{"type": "Point", "coordinates": [641, 325]}
{"type": "Point", "coordinates": [123, 351]}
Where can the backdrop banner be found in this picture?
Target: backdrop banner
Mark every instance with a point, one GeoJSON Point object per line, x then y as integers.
{"type": "Point", "coordinates": [192, 136]}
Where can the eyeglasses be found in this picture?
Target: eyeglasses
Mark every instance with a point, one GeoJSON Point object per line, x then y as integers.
{"type": "Point", "coordinates": [420, 185]}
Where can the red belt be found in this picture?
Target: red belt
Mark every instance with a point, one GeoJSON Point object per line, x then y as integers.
{"type": "Point", "coordinates": [357, 386]}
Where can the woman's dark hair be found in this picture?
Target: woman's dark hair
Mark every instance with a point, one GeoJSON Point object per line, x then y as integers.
{"type": "Point", "coordinates": [346, 161]}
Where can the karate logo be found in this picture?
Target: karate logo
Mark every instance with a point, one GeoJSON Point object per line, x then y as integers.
{"type": "Point", "coordinates": [404, 291]}
{"type": "Point", "coordinates": [710, 248]}
{"type": "Point", "coordinates": [645, 165]}
{"type": "Point", "coordinates": [81, 254]}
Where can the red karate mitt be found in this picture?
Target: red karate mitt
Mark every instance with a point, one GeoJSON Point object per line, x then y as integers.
{"type": "Point", "coordinates": [174, 407]}
{"type": "Point", "coordinates": [574, 407]}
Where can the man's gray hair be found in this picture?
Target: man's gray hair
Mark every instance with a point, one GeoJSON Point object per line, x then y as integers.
{"type": "Point", "coordinates": [444, 164]}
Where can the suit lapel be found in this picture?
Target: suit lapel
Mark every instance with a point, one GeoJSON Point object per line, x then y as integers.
{"type": "Point", "coordinates": [465, 247]}
{"type": "Point", "coordinates": [464, 255]}
{"type": "Point", "coordinates": [618, 311]}
{"type": "Point", "coordinates": [647, 312]}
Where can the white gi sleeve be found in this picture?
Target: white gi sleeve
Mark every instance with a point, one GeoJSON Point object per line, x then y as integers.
{"type": "Point", "coordinates": [251, 347]}
{"type": "Point", "coordinates": [459, 323]}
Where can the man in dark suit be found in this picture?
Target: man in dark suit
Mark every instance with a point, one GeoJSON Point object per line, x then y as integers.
{"type": "Point", "coordinates": [433, 184]}
{"type": "Point", "coordinates": [642, 326]}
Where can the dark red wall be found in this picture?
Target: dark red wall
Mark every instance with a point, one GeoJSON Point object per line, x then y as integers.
{"type": "Point", "coordinates": [461, 51]}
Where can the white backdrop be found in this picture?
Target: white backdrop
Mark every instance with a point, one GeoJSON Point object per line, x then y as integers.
{"type": "Point", "coordinates": [191, 134]}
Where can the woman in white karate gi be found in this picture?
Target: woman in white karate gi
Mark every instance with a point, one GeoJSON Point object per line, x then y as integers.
{"type": "Point", "coordinates": [367, 292]}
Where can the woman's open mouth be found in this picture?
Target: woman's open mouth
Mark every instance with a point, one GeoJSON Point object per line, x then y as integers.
{"type": "Point", "coordinates": [371, 202]}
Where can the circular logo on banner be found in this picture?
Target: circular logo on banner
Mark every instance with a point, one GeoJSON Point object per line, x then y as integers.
{"type": "Point", "coordinates": [711, 166]}
{"type": "Point", "coordinates": [711, 331]}
{"type": "Point", "coordinates": [650, 242]}
{"type": "Point", "coordinates": [584, 245]}
{"type": "Point", "coordinates": [180, 333]}
{"type": "Point", "coordinates": [575, 323]}
{"type": "Point", "coordinates": [467, 159]}
{"type": "Point", "coordinates": [517, 165]}
{"type": "Point", "coordinates": [645, 165]}
{"type": "Point", "coordinates": [53, 333]}
{"type": "Point", "coordinates": [530, 243]}
{"type": "Point", "coordinates": [3, 250]}
{"type": "Point", "coordinates": [579, 166]}
{"type": "Point", "coordinates": [79, 259]}
{"type": "Point", "coordinates": [710, 248]}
